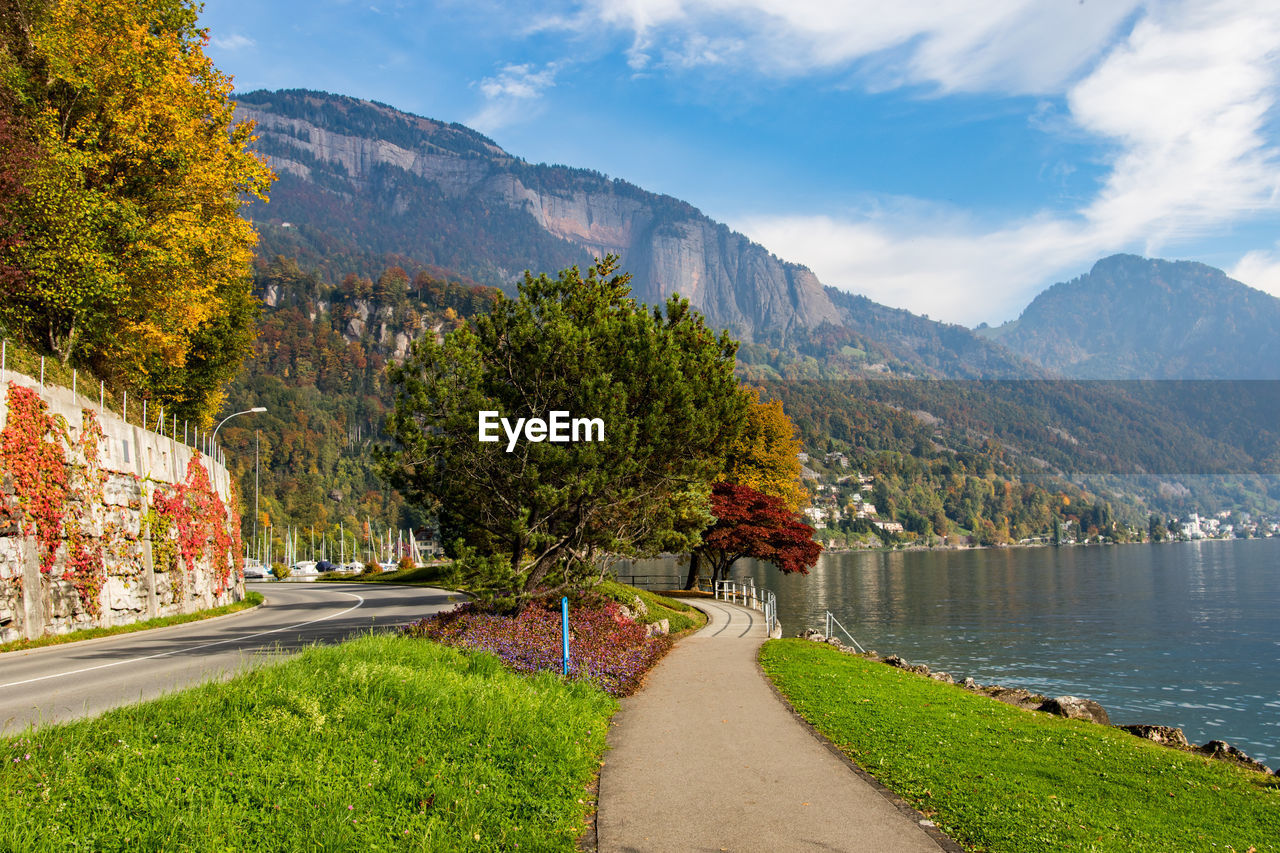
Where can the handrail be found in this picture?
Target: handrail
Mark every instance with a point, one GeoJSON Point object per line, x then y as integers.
{"type": "Point", "coordinates": [747, 595]}
{"type": "Point", "coordinates": [832, 620]}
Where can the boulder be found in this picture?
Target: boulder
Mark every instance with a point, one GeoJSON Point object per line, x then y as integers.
{"type": "Point", "coordinates": [641, 607]}
{"type": "Point", "coordinates": [1075, 708]}
{"type": "Point", "coordinates": [1164, 735]}
{"type": "Point", "coordinates": [970, 684]}
{"type": "Point", "coordinates": [1016, 696]}
{"type": "Point", "coordinates": [660, 628]}
{"type": "Point", "coordinates": [1224, 751]}
{"type": "Point", "coordinates": [944, 677]}
{"type": "Point", "coordinates": [895, 661]}
{"type": "Point", "coordinates": [813, 635]}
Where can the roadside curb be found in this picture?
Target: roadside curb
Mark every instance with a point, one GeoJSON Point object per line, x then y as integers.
{"type": "Point", "coordinates": [944, 841]}
{"type": "Point", "coordinates": [94, 641]}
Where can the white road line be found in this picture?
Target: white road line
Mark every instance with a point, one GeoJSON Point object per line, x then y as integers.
{"type": "Point", "coordinates": [359, 602]}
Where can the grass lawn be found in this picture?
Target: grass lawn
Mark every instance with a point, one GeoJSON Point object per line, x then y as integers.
{"type": "Point", "coordinates": [997, 778]}
{"type": "Point", "coordinates": [382, 743]}
{"type": "Point", "coordinates": [251, 599]}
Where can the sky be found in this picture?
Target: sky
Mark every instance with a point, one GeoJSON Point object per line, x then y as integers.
{"type": "Point", "coordinates": [950, 157]}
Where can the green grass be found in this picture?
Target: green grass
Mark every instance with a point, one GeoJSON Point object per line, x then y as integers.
{"type": "Point", "coordinates": [997, 778]}
{"type": "Point", "coordinates": [681, 616]}
{"type": "Point", "coordinates": [383, 743]}
{"type": "Point", "coordinates": [251, 599]}
{"type": "Point", "coordinates": [430, 575]}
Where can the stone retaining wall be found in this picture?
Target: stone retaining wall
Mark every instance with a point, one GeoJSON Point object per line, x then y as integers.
{"type": "Point", "coordinates": [136, 525]}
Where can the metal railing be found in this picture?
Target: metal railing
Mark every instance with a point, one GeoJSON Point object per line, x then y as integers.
{"type": "Point", "coordinates": [747, 595]}
{"type": "Point", "coordinates": [832, 620]}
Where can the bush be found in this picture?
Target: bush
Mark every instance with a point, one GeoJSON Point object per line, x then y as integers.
{"type": "Point", "coordinates": [604, 646]}
{"type": "Point", "coordinates": [371, 568]}
{"type": "Point", "coordinates": [281, 571]}
{"type": "Point", "coordinates": [406, 564]}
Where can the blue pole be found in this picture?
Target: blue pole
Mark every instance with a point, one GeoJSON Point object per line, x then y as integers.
{"type": "Point", "coordinates": [564, 631]}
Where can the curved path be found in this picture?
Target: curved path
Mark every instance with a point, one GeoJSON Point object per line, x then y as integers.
{"type": "Point", "coordinates": [708, 757]}
{"type": "Point", "coordinates": [58, 683]}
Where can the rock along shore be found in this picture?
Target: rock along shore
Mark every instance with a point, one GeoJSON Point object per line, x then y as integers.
{"type": "Point", "coordinates": [1072, 707]}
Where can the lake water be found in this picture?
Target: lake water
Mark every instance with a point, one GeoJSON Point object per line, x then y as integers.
{"type": "Point", "coordinates": [1180, 634]}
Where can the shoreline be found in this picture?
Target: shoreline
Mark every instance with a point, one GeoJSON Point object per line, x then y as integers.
{"type": "Point", "coordinates": [1029, 545]}
{"type": "Point", "coordinates": [1068, 706]}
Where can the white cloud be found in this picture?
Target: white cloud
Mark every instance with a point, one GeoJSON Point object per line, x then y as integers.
{"type": "Point", "coordinates": [1005, 45]}
{"type": "Point", "coordinates": [1180, 93]}
{"type": "Point", "coordinates": [1185, 101]}
{"type": "Point", "coordinates": [939, 269]}
{"type": "Point", "coordinates": [234, 41]}
{"type": "Point", "coordinates": [512, 95]}
{"type": "Point", "coordinates": [1260, 269]}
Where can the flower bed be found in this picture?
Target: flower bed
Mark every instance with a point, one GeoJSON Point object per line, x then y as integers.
{"type": "Point", "coordinates": [604, 646]}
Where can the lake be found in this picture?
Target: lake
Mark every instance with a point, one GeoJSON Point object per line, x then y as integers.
{"type": "Point", "coordinates": [1182, 634]}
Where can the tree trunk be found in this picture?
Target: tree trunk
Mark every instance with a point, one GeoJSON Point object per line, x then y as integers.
{"type": "Point", "coordinates": [692, 580]}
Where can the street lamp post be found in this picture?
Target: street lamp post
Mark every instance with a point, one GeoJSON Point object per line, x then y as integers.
{"type": "Point", "coordinates": [212, 444]}
{"type": "Point", "coordinates": [232, 415]}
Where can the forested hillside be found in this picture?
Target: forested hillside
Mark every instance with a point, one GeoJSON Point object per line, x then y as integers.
{"type": "Point", "coordinates": [318, 367]}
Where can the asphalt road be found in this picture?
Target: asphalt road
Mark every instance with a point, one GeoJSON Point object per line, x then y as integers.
{"type": "Point", "coordinates": [59, 683]}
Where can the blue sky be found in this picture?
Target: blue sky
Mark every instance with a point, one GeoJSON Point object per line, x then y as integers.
{"type": "Point", "coordinates": [951, 157]}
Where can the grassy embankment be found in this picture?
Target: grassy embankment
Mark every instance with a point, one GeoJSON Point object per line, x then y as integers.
{"type": "Point", "coordinates": [433, 574]}
{"type": "Point", "coordinates": [251, 599]}
{"type": "Point", "coordinates": [998, 778]}
{"type": "Point", "coordinates": [383, 743]}
{"type": "Point", "coordinates": [681, 616]}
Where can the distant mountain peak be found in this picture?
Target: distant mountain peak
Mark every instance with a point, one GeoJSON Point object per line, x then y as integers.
{"type": "Point", "coordinates": [1131, 317]}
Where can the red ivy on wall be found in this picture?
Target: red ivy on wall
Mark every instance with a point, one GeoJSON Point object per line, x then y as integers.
{"type": "Point", "coordinates": [200, 519]}
{"type": "Point", "coordinates": [33, 453]}
{"type": "Point", "coordinates": [31, 447]}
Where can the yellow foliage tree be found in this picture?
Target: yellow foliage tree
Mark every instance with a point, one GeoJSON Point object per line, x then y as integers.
{"type": "Point", "coordinates": [764, 457]}
{"type": "Point", "coordinates": [135, 257]}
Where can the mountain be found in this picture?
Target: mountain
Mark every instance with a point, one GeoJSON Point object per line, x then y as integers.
{"type": "Point", "coordinates": [384, 226]}
{"type": "Point", "coordinates": [1142, 318]}
{"type": "Point", "coordinates": [380, 179]}
{"type": "Point", "coordinates": [362, 185]}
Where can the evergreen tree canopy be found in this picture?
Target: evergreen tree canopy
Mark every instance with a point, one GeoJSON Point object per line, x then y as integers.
{"type": "Point", "coordinates": [544, 515]}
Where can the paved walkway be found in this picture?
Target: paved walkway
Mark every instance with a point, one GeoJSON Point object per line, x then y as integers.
{"type": "Point", "coordinates": [707, 757]}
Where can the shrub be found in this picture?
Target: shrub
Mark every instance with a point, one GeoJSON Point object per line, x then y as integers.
{"type": "Point", "coordinates": [371, 568]}
{"type": "Point", "coordinates": [406, 564]}
{"type": "Point", "coordinates": [604, 646]}
{"type": "Point", "coordinates": [281, 571]}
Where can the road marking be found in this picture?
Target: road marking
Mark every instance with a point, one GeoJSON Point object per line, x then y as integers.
{"type": "Point", "coordinates": [725, 612]}
{"type": "Point", "coordinates": [359, 602]}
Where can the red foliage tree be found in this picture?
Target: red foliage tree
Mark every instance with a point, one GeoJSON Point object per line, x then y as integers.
{"type": "Point", "coordinates": [753, 524]}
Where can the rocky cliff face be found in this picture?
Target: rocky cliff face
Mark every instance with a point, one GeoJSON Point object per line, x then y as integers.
{"type": "Point", "coordinates": [399, 165]}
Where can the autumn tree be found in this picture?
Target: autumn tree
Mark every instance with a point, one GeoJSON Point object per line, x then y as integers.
{"type": "Point", "coordinates": [135, 260]}
{"type": "Point", "coordinates": [753, 524]}
{"type": "Point", "coordinates": [541, 515]}
{"type": "Point", "coordinates": [764, 459]}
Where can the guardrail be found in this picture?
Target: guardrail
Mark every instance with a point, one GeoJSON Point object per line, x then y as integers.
{"type": "Point", "coordinates": [831, 620]}
{"type": "Point", "coordinates": [747, 595]}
